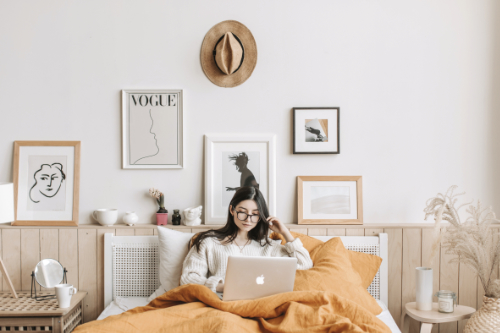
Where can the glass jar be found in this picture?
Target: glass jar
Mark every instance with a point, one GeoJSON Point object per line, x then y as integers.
{"type": "Point", "coordinates": [447, 300]}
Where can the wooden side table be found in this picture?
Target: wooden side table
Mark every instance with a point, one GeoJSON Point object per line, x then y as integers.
{"type": "Point", "coordinates": [429, 318]}
{"type": "Point", "coordinates": [26, 314]}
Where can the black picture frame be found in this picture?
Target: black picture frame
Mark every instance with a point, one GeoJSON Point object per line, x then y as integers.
{"type": "Point", "coordinates": [294, 113]}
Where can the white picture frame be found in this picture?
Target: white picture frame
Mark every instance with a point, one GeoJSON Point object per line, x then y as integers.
{"type": "Point", "coordinates": [223, 149]}
{"type": "Point", "coordinates": [152, 129]}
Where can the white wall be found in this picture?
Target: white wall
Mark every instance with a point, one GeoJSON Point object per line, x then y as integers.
{"type": "Point", "coordinates": [415, 81]}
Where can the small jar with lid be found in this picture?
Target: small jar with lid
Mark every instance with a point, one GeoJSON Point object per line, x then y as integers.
{"type": "Point", "coordinates": [447, 300]}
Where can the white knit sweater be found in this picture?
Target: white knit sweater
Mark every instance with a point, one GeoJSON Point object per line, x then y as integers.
{"type": "Point", "coordinates": [208, 266]}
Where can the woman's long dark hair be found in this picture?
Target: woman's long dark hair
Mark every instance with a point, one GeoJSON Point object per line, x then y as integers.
{"type": "Point", "coordinates": [230, 230]}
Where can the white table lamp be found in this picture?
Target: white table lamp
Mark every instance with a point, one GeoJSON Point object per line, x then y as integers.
{"type": "Point", "coordinates": [7, 215]}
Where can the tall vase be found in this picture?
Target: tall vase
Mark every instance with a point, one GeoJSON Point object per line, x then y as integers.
{"type": "Point", "coordinates": [424, 288]}
{"type": "Point", "coordinates": [486, 319]}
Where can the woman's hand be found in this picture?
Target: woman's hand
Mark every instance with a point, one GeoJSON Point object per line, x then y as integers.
{"type": "Point", "coordinates": [277, 226]}
{"type": "Point", "coordinates": [220, 287]}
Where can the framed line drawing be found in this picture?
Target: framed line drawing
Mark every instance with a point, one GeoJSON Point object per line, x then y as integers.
{"type": "Point", "coordinates": [316, 130]}
{"type": "Point", "coordinates": [46, 182]}
{"type": "Point", "coordinates": [152, 129]}
{"type": "Point", "coordinates": [235, 160]}
{"type": "Point", "coordinates": [330, 200]}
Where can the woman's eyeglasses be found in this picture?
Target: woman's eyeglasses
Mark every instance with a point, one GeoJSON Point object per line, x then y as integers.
{"type": "Point", "coordinates": [242, 216]}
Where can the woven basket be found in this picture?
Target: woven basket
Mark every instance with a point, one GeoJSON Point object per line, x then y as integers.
{"type": "Point", "coordinates": [486, 319]}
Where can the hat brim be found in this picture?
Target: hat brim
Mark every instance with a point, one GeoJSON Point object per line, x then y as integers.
{"type": "Point", "coordinates": [208, 64]}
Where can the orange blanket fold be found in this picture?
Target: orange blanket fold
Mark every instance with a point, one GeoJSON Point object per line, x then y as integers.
{"type": "Point", "coordinates": [195, 308]}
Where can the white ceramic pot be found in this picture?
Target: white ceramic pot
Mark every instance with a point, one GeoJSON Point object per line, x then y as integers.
{"type": "Point", "coordinates": [106, 217]}
{"type": "Point", "coordinates": [424, 283]}
{"type": "Point", "coordinates": [130, 218]}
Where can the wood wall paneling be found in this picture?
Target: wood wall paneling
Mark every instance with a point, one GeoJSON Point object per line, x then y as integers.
{"type": "Point", "coordinates": [68, 253]}
{"type": "Point", "coordinates": [87, 277]}
{"type": "Point", "coordinates": [432, 260]}
{"type": "Point", "coordinates": [125, 232]}
{"type": "Point", "coordinates": [49, 246]}
{"type": "Point", "coordinates": [373, 232]}
{"type": "Point", "coordinates": [11, 251]}
{"type": "Point", "coordinates": [144, 232]}
{"type": "Point", "coordinates": [100, 268]}
{"type": "Point", "coordinates": [81, 249]}
{"type": "Point", "coordinates": [355, 232]}
{"type": "Point", "coordinates": [335, 232]}
{"type": "Point", "coordinates": [412, 258]}
{"type": "Point", "coordinates": [448, 280]}
{"type": "Point", "coordinates": [395, 237]}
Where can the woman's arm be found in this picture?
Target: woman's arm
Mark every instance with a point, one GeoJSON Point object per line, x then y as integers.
{"type": "Point", "coordinates": [195, 268]}
{"type": "Point", "coordinates": [293, 247]}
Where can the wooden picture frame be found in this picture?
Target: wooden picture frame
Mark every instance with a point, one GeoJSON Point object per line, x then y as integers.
{"type": "Point", "coordinates": [316, 130]}
{"type": "Point", "coordinates": [330, 200]}
{"type": "Point", "coordinates": [60, 208]}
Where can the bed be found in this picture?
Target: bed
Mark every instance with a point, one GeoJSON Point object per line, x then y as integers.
{"type": "Point", "coordinates": [131, 271]}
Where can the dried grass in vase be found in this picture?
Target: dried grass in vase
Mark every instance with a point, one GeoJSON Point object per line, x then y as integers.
{"type": "Point", "coordinates": [471, 241]}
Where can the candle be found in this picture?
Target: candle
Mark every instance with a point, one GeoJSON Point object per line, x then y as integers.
{"type": "Point", "coordinates": [446, 301]}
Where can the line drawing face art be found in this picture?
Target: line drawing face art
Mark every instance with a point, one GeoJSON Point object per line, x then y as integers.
{"type": "Point", "coordinates": [48, 181]}
{"type": "Point", "coordinates": [152, 129]}
{"type": "Point", "coordinates": [154, 137]}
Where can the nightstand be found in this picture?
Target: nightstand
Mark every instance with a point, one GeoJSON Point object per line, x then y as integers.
{"type": "Point", "coordinates": [429, 318]}
{"type": "Point", "coordinates": [26, 314]}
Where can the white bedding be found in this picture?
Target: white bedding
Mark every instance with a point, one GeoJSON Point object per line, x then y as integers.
{"type": "Point", "coordinates": [122, 304]}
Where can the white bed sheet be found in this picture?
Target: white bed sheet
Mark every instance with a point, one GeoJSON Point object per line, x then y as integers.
{"type": "Point", "coordinates": [122, 304]}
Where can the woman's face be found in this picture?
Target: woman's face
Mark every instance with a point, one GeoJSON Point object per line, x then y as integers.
{"type": "Point", "coordinates": [49, 180]}
{"type": "Point", "coordinates": [248, 207]}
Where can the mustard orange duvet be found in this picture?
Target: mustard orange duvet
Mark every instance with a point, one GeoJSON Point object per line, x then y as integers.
{"type": "Point", "coordinates": [195, 308]}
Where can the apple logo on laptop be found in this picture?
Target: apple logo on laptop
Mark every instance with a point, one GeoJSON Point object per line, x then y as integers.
{"type": "Point", "coordinates": [260, 279]}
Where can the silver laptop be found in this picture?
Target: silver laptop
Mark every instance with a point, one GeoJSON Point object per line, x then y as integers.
{"type": "Point", "coordinates": [255, 277]}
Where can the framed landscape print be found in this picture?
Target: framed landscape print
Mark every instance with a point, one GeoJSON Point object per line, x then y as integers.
{"type": "Point", "coordinates": [46, 182]}
{"type": "Point", "coordinates": [316, 130]}
{"type": "Point", "coordinates": [330, 200]}
{"type": "Point", "coordinates": [152, 129]}
{"type": "Point", "coordinates": [233, 161]}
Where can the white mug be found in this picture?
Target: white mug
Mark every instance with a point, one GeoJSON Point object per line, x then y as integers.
{"type": "Point", "coordinates": [105, 216]}
{"type": "Point", "coordinates": [63, 294]}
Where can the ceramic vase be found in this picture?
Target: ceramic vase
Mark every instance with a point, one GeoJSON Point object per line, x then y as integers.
{"type": "Point", "coordinates": [130, 218]}
{"type": "Point", "coordinates": [486, 319]}
{"type": "Point", "coordinates": [161, 218]}
{"type": "Point", "coordinates": [176, 217]}
{"type": "Point", "coordinates": [424, 288]}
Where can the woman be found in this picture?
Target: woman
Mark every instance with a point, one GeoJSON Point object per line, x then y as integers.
{"type": "Point", "coordinates": [245, 233]}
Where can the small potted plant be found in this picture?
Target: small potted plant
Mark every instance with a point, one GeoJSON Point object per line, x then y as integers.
{"type": "Point", "coordinates": [162, 213]}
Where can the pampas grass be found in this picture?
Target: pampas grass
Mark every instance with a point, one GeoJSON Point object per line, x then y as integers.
{"type": "Point", "coordinates": [471, 240]}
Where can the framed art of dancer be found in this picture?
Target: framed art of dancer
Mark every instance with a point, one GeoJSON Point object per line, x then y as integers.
{"type": "Point", "coordinates": [46, 182]}
{"type": "Point", "coordinates": [152, 129]}
{"type": "Point", "coordinates": [233, 161]}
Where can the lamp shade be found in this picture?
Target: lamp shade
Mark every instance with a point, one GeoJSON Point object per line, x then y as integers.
{"type": "Point", "coordinates": [6, 202]}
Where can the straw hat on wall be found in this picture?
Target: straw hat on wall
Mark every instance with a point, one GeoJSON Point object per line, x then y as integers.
{"type": "Point", "coordinates": [228, 54]}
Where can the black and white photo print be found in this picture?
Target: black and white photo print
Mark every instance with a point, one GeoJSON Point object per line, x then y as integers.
{"type": "Point", "coordinates": [316, 130]}
{"type": "Point", "coordinates": [239, 169]}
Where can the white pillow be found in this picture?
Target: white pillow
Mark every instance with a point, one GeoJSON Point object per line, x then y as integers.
{"type": "Point", "coordinates": [173, 249]}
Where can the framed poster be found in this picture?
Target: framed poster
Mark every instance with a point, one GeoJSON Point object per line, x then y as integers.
{"type": "Point", "coordinates": [316, 130]}
{"type": "Point", "coordinates": [330, 200]}
{"type": "Point", "coordinates": [46, 182]}
{"type": "Point", "coordinates": [235, 160]}
{"type": "Point", "coordinates": [152, 129]}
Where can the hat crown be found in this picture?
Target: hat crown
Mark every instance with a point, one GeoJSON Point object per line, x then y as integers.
{"type": "Point", "coordinates": [228, 54]}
